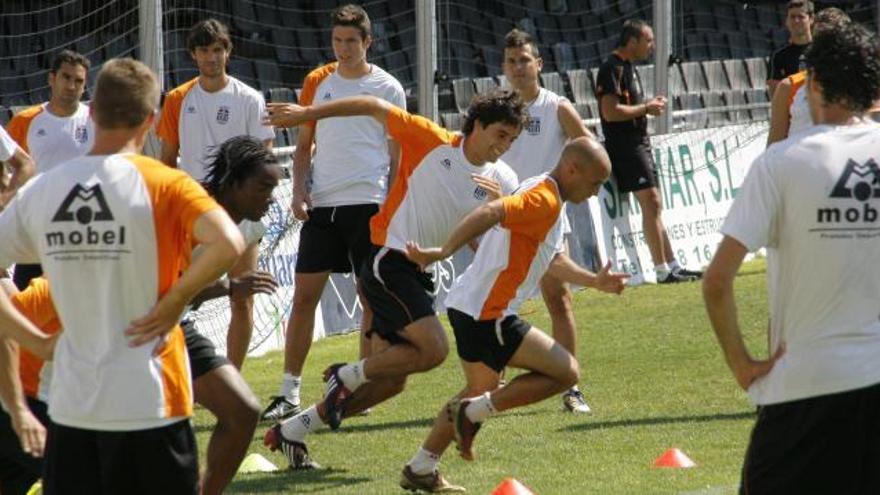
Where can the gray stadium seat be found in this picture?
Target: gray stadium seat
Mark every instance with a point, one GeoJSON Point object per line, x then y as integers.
{"type": "Point", "coordinates": [564, 56]}
{"type": "Point", "coordinates": [758, 96]}
{"type": "Point", "coordinates": [689, 101]}
{"type": "Point", "coordinates": [281, 95]}
{"type": "Point", "coordinates": [646, 76]}
{"type": "Point", "coordinates": [737, 97]}
{"type": "Point", "coordinates": [746, 17]}
{"type": "Point", "coordinates": [581, 86]}
{"type": "Point", "coordinates": [719, 49]}
{"type": "Point", "coordinates": [725, 18]}
{"type": "Point", "coordinates": [484, 84]}
{"type": "Point", "coordinates": [694, 79]}
{"type": "Point", "coordinates": [553, 82]}
{"type": "Point", "coordinates": [715, 75]}
{"type": "Point", "coordinates": [464, 91]}
{"type": "Point", "coordinates": [493, 57]}
{"type": "Point", "coordinates": [268, 74]}
{"type": "Point", "coordinates": [757, 69]}
{"type": "Point", "coordinates": [695, 46]}
{"type": "Point", "coordinates": [452, 121]}
{"type": "Point", "coordinates": [739, 45]}
{"type": "Point", "coordinates": [703, 19]}
{"type": "Point", "coordinates": [502, 81]}
{"type": "Point", "coordinates": [715, 99]}
{"type": "Point", "coordinates": [737, 74]}
{"type": "Point", "coordinates": [676, 80]}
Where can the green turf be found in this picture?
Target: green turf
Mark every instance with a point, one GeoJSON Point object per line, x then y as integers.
{"type": "Point", "coordinates": [651, 370]}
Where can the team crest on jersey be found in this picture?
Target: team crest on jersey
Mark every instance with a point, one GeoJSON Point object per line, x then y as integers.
{"type": "Point", "coordinates": [447, 163]}
{"type": "Point", "coordinates": [534, 126]}
{"type": "Point", "coordinates": [223, 114]}
{"type": "Point", "coordinates": [327, 95]}
{"type": "Point", "coordinates": [480, 193]}
{"type": "Point", "coordinates": [41, 132]}
{"type": "Point", "coordinates": [81, 134]}
{"type": "Point", "coordinates": [191, 109]}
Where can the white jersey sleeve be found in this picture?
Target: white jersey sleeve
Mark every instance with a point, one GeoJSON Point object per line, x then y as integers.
{"type": "Point", "coordinates": [7, 145]}
{"type": "Point", "coordinates": [752, 218]}
{"type": "Point", "coordinates": [17, 245]}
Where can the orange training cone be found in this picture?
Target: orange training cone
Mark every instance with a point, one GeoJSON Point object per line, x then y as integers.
{"type": "Point", "coordinates": [511, 486]}
{"type": "Point", "coordinates": [674, 458]}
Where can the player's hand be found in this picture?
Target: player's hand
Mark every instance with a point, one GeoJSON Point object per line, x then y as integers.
{"type": "Point", "coordinates": [752, 369]}
{"type": "Point", "coordinates": [300, 205]}
{"type": "Point", "coordinates": [611, 282]}
{"type": "Point", "coordinates": [253, 282]}
{"type": "Point", "coordinates": [31, 433]}
{"type": "Point", "coordinates": [423, 256]}
{"type": "Point", "coordinates": [656, 106]}
{"type": "Point", "coordinates": [157, 323]}
{"type": "Point", "coordinates": [284, 115]}
{"type": "Point", "coordinates": [491, 186]}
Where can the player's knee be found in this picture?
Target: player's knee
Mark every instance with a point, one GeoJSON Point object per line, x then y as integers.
{"type": "Point", "coordinates": [557, 298]}
{"type": "Point", "coordinates": [305, 300]}
{"type": "Point", "coordinates": [396, 385]}
{"type": "Point", "coordinates": [651, 203]}
{"type": "Point", "coordinates": [571, 376]}
{"type": "Point", "coordinates": [434, 355]}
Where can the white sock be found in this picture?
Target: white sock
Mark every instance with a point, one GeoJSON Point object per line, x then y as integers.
{"type": "Point", "coordinates": [297, 427]}
{"type": "Point", "coordinates": [674, 266]}
{"type": "Point", "coordinates": [424, 462]}
{"type": "Point", "coordinates": [662, 270]}
{"type": "Point", "coordinates": [290, 386]}
{"type": "Point", "coordinates": [574, 389]}
{"type": "Point", "coordinates": [352, 375]}
{"type": "Point", "coordinates": [480, 408]}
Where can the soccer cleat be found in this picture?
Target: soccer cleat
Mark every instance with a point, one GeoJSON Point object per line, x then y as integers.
{"type": "Point", "coordinates": [432, 482]}
{"type": "Point", "coordinates": [296, 452]}
{"type": "Point", "coordinates": [465, 429]}
{"type": "Point", "coordinates": [280, 409]}
{"type": "Point", "coordinates": [335, 396]}
{"type": "Point", "coordinates": [689, 273]}
{"type": "Point", "coordinates": [574, 402]}
{"type": "Point", "coordinates": [677, 277]}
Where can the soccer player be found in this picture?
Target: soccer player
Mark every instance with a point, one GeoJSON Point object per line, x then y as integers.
{"type": "Point", "coordinates": [112, 230]}
{"type": "Point", "coordinates": [789, 110]}
{"type": "Point", "coordinates": [197, 117]}
{"type": "Point", "coordinates": [442, 177]}
{"type": "Point", "coordinates": [789, 59]}
{"type": "Point", "coordinates": [524, 240]}
{"type": "Point", "coordinates": [354, 161]}
{"type": "Point", "coordinates": [55, 131]}
{"type": "Point", "coordinates": [22, 167]}
{"type": "Point", "coordinates": [813, 197]}
{"type": "Point", "coordinates": [624, 117]}
{"type": "Point", "coordinates": [552, 121]}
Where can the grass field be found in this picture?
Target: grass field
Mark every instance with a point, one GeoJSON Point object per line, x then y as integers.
{"type": "Point", "coordinates": [651, 371]}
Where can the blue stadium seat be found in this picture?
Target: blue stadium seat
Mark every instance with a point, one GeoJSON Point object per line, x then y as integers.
{"type": "Point", "coordinates": [564, 56]}
{"type": "Point", "coordinates": [493, 57]}
{"type": "Point", "coordinates": [695, 46]}
{"type": "Point", "coordinates": [719, 49]}
{"type": "Point", "coordinates": [738, 43]}
{"type": "Point", "coordinates": [725, 18]}
{"type": "Point", "coordinates": [268, 74]}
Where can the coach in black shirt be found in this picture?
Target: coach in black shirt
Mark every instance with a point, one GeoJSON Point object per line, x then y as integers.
{"type": "Point", "coordinates": [787, 60]}
{"type": "Point", "coordinates": [623, 112]}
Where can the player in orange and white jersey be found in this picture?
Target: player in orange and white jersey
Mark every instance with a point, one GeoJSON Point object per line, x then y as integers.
{"type": "Point", "coordinates": [523, 241]}
{"type": "Point", "coordinates": [55, 131]}
{"type": "Point", "coordinates": [112, 230]}
{"type": "Point", "coordinates": [441, 178]}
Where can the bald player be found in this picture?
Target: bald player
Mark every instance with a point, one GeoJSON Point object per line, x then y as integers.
{"type": "Point", "coordinates": [523, 241]}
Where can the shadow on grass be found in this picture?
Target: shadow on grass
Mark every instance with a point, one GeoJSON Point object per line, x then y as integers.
{"type": "Point", "coordinates": [286, 481]}
{"type": "Point", "coordinates": [661, 420]}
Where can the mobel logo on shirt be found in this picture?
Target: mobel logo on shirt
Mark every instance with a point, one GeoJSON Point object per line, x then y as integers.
{"type": "Point", "coordinates": [84, 205]}
{"type": "Point", "coordinates": [859, 181]}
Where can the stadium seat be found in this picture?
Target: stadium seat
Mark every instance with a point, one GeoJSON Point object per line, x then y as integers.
{"type": "Point", "coordinates": [464, 61]}
{"type": "Point", "coordinates": [527, 24]}
{"type": "Point", "coordinates": [702, 16]}
{"type": "Point", "coordinates": [586, 54]}
{"type": "Point", "coordinates": [767, 17]}
{"type": "Point", "coordinates": [676, 80]}
{"type": "Point", "coordinates": [281, 95]}
{"type": "Point", "coordinates": [725, 18]}
{"type": "Point", "coordinates": [736, 74]}
{"type": "Point", "coordinates": [736, 97]}
{"type": "Point", "coordinates": [549, 29]}
{"type": "Point", "coordinates": [243, 69]}
{"type": "Point", "coordinates": [739, 45]}
{"type": "Point", "coordinates": [564, 56]}
{"type": "Point", "coordinates": [557, 7]}
{"type": "Point", "coordinates": [689, 101]}
{"type": "Point", "coordinates": [758, 96]}
{"type": "Point", "coordinates": [646, 77]}
{"type": "Point", "coordinates": [285, 46]}
{"type": "Point", "coordinates": [715, 75]}
{"type": "Point", "coordinates": [493, 57]}
{"type": "Point", "coordinates": [746, 17]}
{"type": "Point", "coordinates": [757, 69]}
{"type": "Point", "coordinates": [502, 81]}
{"type": "Point", "coordinates": [599, 5]}
{"type": "Point", "coordinates": [719, 49]}
{"type": "Point", "coordinates": [464, 91]}
{"type": "Point", "coordinates": [694, 79]}
{"type": "Point", "coordinates": [380, 43]}
{"type": "Point", "coordinates": [715, 99]}
{"type": "Point", "coordinates": [553, 82]}
{"type": "Point", "coordinates": [695, 46]}
{"type": "Point", "coordinates": [268, 74]}
{"type": "Point", "coordinates": [452, 121]}
{"type": "Point", "coordinates": [398, 64]}
{"type": "Point", "coordinates": [581, 86]}
{"type": "Point", "coordinates": [484, 84]}
{"type": "Point", "coordinates": [570, 29]}
{"type": "Point", "coordinates": [759, 43]}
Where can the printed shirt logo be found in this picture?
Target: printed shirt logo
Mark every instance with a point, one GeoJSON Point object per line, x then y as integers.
{"type": "Point", "coordinates": [480, 193]}
{"type": "Point", "coordinates": [861, 182]}
{"type": "Point", "coordinates": [223, 115]}
{"type": "Point", "coordinates": [81, 134]}
{"type": "Point", "coordinates": [82, 206]}
{"type": "Point", "coordinates": [87, 199]}
{"type": "Point", "coordinates": [191, 109]}
{"type": "Point", "coordinates": [41, 132]}
{"type": "Point", "coordinates": [534, 126]}
{"type": "Point", "coordinates": [447, 163]}
{"type": "Point", "coordinates": [327, 96]}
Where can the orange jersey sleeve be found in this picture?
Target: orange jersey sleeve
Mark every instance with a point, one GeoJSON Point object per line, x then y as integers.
{"type": "Point", "coordinates": [310, 86]}
{"type": "Point", "coordinates": [169, 121]}
{"type": "Point", "coordinates": [20, 123]}
{"type": "Point", "coordinates": [35, 303]}
{"type": "Point", "coordinates": [532, 212]}
{"type": "Point", "coordinates": [797, 80]}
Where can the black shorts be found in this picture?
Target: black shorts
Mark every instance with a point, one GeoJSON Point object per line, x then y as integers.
{"type": "Point", "coordinates": [203, 355]}
{"type": "Point", "coordinates": [398, 292]}
{"type": "Point", "coordinates": [335, 239]}
{"type": "Point", "coordinates": [156, 460]}
{"type": "Point", "coordinates": [24, 273]}
{"type": "Point", "coordinates": [491, 342]}
{"type": "Point", "coordinates": [18, 470]}
{"type": "Point", "coordinates": [825, 444]}
{"type": "Point", "coordinates": [632, 165]}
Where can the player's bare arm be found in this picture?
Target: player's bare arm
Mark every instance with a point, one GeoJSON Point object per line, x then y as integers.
{"type": "Point", "coordinates": [472, 226]}
{"type": "Point", "coordinates": [292, 115]}
{"type": "Point", "coordinates": [565, 269]}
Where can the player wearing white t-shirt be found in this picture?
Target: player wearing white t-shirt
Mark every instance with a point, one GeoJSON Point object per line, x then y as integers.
{"type": "Point", "coordinates": [55, 131]}
{"type": "Point", "coordinates": [336, 190]}
{"type": "Point", "coordinates": [523, 241]}
{"type": "Point", "coordinates": [814, 202]}
{"type": "Point", "coordinates": [442, 177]}
{"type": "Point", "coordinates": [22, 167]}
{"type": "Point", "coordinates": [197, 117]}
{"type": "Point", "coordinates": [552, 121]}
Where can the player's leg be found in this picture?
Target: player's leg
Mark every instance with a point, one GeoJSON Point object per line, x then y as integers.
{"type": "Point", "coordinates": [18, 470]}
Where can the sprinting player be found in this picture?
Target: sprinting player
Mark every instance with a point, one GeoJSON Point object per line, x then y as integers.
{"type": "Point", "coordinates": [524, 240]}
{"type": "Point", "coordinates": [241, 178]}
{"type": "Point", "coordinates": [788, 60]}
{"type": "Point", "coordinates": [624, 117]}
{"type": "Point", "coordinates": [789, 110]}
{"type": "Point", "coordinates": [22, 167]}
{"type": "Point", "coordinates": [442, 177]}
{"type": "Point", "coordinates": [353, 163]}
{"type": "Point", "coordinates": [197, 117]}
{"type": "Point", "coordinates": [112, 230]}
{"type": "Point", "coordinates": [814, 196]}
{"type": "Point", "coordinates": [55, 131]}
{"type": "Point", "coordinates": [552, 121]}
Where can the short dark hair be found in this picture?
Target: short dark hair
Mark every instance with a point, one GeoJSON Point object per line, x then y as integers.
{"type": "Point", "coordinates": [352, 15]}
{"type": "Point", "coordinates": [632, 29]}
{"type": "Point", "coordinates": [830, 17]}
{"type": "Point", "coordinates": [234, 161]}
{"type": "Point", "coordinates": [496, 105]}
{"type": "Point", "coordinates": [69, 57]}
{"type": "Point", "coordinates": [807, 5]}
{"type": "Point", "coordinates": [206, 33]}
{"type": "Point", "coordinates": [845, 61]}
{"type": "Point", "coordinates": [517, 38]}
